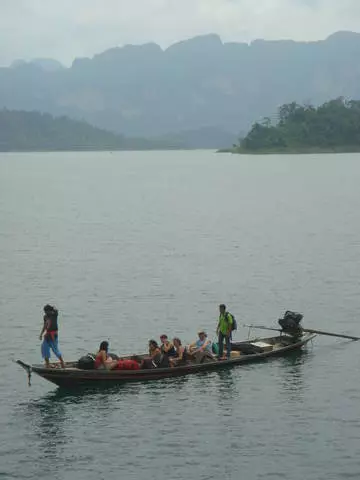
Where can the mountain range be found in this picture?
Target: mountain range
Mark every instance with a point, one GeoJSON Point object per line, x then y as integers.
{"type": "Point", "coordinates": [200, 91]}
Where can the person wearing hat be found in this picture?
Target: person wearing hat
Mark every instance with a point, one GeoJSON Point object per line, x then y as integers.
{"type": "Point", "coordinates": [202, 344]}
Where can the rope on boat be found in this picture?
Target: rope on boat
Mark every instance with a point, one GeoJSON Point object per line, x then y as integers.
{"type": "Point", "coordinates": [27, 369]}
{"type": "Point", "coordinates": [29, 376]}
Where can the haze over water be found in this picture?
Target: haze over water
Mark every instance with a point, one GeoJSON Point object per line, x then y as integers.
{"type": "Point", "coordinates": [132, 245]}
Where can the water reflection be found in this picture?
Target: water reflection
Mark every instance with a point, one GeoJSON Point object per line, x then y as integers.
{"type": "Point", "coordinates": [46, 418]}
{"type": "Point", "coordinates": [157, 387]}
{"type": "Point", "coordinates": [225, 379]}
{"type": "Point", "coordinates": [85, 394]}
{"type": "Point", "coordinates": [292, 374]}
{"type": "Point", "coordinates": [51, 417]}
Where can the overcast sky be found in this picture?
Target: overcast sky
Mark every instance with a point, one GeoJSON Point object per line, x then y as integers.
{"type": "Point", "coordinates": [65, 29]}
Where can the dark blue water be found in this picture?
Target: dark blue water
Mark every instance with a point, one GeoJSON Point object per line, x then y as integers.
{"type": "Point", "coordinates": [132, 245]}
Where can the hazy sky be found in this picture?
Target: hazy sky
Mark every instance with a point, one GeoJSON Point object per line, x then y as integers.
{"type": "Point", "coordinates": [65, 29]}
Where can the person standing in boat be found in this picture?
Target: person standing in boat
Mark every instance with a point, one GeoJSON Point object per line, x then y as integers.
{"type": "Point", "coordinates": [49, 335]}
{"type": "Point", "coordinates": [223, 331]}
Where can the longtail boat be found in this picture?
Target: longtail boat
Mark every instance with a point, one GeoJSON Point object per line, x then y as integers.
{"type": "Point", "coordinates": [242, 353]}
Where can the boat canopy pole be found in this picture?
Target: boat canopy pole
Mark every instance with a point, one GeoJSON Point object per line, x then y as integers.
{"type": "Point", "coordinates": [321, 332]}
{"type": "Point", "coordinates": [308, 330]}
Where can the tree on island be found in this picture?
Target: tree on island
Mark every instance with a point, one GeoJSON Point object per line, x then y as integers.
{"type": "Point", "coordinates": [335, 125]}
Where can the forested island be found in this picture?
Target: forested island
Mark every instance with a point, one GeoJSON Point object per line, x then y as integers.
{"type": "Point", "coordinates": [331, 127]}
{"type": "Point", "coordinates": [34, 131]}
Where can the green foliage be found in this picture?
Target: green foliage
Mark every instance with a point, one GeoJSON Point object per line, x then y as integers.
{"type": "Point", "coordinates": [33, 131]}
{"type": "Point", "coordinates": [333, 126]}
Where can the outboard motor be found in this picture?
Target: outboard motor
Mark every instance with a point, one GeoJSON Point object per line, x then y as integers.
{"type": "Point", "coordinates": [290, 323]}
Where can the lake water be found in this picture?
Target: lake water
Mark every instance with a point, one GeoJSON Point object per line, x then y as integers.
{"type": "Point", "coordinates": [131, 245]}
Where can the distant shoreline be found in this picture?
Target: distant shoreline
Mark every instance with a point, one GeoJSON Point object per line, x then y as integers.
{"type": "Point", "coordinates": [109, 150]}
{"type": "Point", "coordinates": [291, 151]}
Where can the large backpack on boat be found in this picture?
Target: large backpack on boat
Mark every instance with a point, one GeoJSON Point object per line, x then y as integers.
{"type": "Point", "coordinates": [234, 323]}
{"type": "Point", "coordinates": [290, 323]}
{"type": "Point", "coordinates": [87, 362]}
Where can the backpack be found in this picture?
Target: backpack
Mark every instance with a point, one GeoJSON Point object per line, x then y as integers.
{"type": "Point", "coordinates": [234, 323]}
{"type": "Point", "coordinates": [87, 362]}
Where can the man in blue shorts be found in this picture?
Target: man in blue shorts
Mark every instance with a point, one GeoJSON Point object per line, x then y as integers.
{"type": "Point", "coordinates": [49, 335]}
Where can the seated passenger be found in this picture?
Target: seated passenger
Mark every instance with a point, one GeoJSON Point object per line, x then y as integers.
{"type": "Point", "coordinates": [156, 358]}
{"type": "Point", "coordinates": [103, 359]}
{"type": "Point", "coordinates": [167, 347]}
{"type": "Point", "coordinates": [202, 344]}
{"type": "Point", "coordinates": [180, 354]}
{"type": "Point", "coordinates": [154, 350]}
{"type": "Point", "coordinates": [201, 350]}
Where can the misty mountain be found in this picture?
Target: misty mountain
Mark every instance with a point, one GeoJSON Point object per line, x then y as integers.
{"type": "Point", "coordinates": [47, 64]}
{"type": "Point", "coordinates": [197, 84]}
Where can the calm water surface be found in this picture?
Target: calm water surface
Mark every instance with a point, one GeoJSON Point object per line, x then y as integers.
{"type": "Point", "coordinates": [131, 245]}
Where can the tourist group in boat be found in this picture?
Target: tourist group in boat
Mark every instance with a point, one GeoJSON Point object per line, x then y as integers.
{"type": "Point", "coordinates": [167, 353]}
{"type": "Point", "coordinates": [169, 356]}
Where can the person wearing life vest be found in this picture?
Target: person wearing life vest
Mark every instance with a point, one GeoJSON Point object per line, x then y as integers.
{"type": "Point", "coordinates": [223, 330]}
{"type": "Point", "coordinates": [49, 335]}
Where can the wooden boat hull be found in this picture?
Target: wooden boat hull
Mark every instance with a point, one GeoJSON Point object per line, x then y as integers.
{"type": "Point", "coordinates": [72, 377]}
